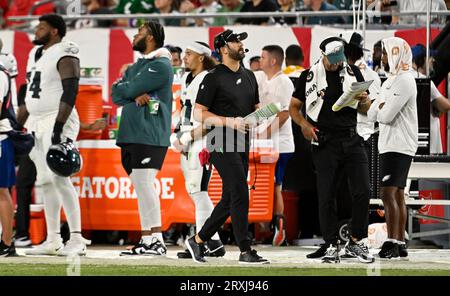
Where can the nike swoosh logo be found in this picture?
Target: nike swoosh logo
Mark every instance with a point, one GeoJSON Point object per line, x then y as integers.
{"type": "Point", "coordinates": [151, 70]}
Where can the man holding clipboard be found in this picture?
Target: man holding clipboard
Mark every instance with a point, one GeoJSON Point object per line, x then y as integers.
{"type": "Point", "coordinates": [337, 146]}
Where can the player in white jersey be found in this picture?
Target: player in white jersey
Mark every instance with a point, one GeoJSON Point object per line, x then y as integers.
{"type": "Point", "coordinates": [439, 104]}
{"type": "Point", "coordinates": [355, 56]}
{"type": "Point", "coordinates": [10, 63]}
{"type": "Point", "coordinates": [188, 138]}
{"type": "Point", "coordinates": [53, 72]}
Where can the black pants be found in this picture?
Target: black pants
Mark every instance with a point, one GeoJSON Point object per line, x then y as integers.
{"type": "Point", "coordinates": [233, 169]}
{"type": "Point", "coordinates": [26, 176]}
{"type": "Point", "coordinates": [336, 156]}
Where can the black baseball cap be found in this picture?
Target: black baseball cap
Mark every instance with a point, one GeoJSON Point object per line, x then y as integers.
{"type": "Point", "coordinates": [228, 36]}
{"type": "Point", "coordinates": [357, 41]}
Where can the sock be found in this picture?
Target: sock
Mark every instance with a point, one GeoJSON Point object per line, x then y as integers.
{"type": "Point", "coordinates": [75, 236]}
{"type": "Point", "coordinates": [148, 199]}
{"type": "Point", "coordinates": [392, 240]}
{"type": "Point", "coordinates": [147, 239]}
{"type": "Point", "coordinates": [159, 236]}
{"type": "Point", "coordinates": [70, 202]}
{"type": "Point", "coordinates": [203, 209]}
{"type": "Point", "coordinates": [52, 210]}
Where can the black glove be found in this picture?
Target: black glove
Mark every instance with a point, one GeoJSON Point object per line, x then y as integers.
{"type": "Point", "coordinates": [17, 127]}
{"type": "Point", "coordinates": [57, 131]}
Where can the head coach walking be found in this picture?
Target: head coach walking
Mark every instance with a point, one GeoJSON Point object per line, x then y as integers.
{"type": "Point", "coordinates": [227, 94]}
{"type": "Point", "coordinates": [336, 145]}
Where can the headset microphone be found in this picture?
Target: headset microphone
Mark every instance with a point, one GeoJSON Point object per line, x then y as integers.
{"type": "Point", "coordinates": [246, 50]}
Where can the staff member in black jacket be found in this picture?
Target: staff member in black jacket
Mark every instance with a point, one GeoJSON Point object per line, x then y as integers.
{"type": "Point", "coordinates": [336, 146]}
{"type": "Point", "coordinates": [227, 94]}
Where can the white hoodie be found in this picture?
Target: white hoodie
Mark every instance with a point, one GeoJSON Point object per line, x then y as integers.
{"type": "Point", "coordinates": [398, 117]}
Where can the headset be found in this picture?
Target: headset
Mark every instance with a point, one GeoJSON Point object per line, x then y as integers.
{"type": "Point", "coordinates": [328, 40]}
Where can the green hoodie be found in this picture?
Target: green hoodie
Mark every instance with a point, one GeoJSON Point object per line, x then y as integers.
{"type": "Point", "coordinates": [146, 76]}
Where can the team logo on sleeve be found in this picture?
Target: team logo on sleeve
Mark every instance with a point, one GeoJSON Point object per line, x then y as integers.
{"type": "Point", "coordinates": [310, 76]}
{"type": "Point", "coordinates": [72, 49]}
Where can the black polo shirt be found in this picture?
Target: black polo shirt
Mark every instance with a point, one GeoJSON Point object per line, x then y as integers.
{"type": "Point", "coordinates": [328, 119]}
{"type": "Point", "coordinates": [229, 94]}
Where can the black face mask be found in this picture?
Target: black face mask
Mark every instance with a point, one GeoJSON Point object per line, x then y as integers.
{"type": "Point", "coordinates": [43, 40]}
{"type": "Point", "coordinates": [140, 46]}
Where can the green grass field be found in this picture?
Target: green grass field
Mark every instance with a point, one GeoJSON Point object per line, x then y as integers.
{"type": "Point", "coordinates": [114, 270]}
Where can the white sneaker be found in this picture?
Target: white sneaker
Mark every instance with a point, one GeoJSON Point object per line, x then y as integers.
{"type": "Point", "coordinates": [74, 247]}
{"type": "Point", "coordinates": [49, 247]}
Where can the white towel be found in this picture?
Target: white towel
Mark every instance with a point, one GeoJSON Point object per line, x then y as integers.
{"type": "Point", "coordinates": [316, 84]}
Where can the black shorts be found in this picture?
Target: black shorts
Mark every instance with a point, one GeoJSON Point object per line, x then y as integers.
{"type": "Point", "coordinates": [394, 168]}
{"type": "Point", "coordinates": [140, 156]}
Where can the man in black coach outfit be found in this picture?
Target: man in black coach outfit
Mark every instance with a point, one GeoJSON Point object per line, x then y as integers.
{"type": "Point", "coordinates": [227, 94]}
{"type": "Point", "coordinates": [336, 146]}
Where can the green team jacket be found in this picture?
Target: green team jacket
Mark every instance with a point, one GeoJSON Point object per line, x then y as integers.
{"type": "Point", "coordinates": [137, 125]}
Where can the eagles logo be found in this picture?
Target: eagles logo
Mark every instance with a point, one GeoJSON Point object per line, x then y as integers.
{"type": "Point", "coordinates": [309, 77]}
{"type": "Point", "coordinates": [350, 71]}
{"type": "Point", "coordinates": [72, 50]}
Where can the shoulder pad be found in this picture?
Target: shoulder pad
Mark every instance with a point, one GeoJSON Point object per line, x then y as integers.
{"type": "Point", "coordinates": [70, 47]}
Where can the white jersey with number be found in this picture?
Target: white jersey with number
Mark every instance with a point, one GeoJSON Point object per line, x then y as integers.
{"type": "Point", "coordinates": [44, 91]}
{"type": "Point", "coordinates": [44, 87]}
{"type": "Point", "coordinates": [188, 97]}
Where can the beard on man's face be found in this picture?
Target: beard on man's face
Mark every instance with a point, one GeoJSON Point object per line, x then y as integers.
{"type": "Point", "coordinates": [140, 45]}
{"type": "Point", "coordinates": [43, 40]}
{"type": "Point", "coordinates": [386, 67]}
{"type": "Point", "coordinates": [237, 55]}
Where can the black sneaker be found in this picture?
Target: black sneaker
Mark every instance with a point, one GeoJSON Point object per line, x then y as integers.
{"type": "Point", "coordinates": [251, 257]}
{"type": "Point", "coordinates": [155, 248]}
{"type": "Point", "coordinates": [358, 250]}
{"type": "Point", "coordinates": [214, 248]}
{"type": "Point", "coordinates": [332, 254]}
{"type": "Point", "coordinates": [184, 255]}
{"type": "Point", "coordinates": [389, 250]}
{"type": "Point", "coordinates": [319, 253]}
{"type": "Point", "coordinates": [7, 251]}
{"type": "Point", "coordinates": [402, 251]}
{"type": "Point", "coordinates": [197, 250]}
{"type": "Point", "coordinates": [22, 242]}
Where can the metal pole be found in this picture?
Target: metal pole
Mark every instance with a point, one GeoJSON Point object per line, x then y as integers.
{"type": "Point", "coordinates": [427, 66]}
{"type": "Point", "coordinates": [364, 23]}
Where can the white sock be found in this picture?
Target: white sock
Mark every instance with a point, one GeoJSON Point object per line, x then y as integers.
{"type": "Point", "coordinates": [147, 239]}
{"type": "Point", "coordinates": [392, 240]}
{"type": "Point", "coordinates": [70, 202]}
{"type": "Point", "coordinates": [52, 210]}
{"type": "Point", "coordinates": [75, 236]}
{"type": "Point", "coordinates": [158, 235]}
{"type": "Point", "coordinates": [148, 199]}
{"type": "Point", "coordinates": [203, 209]}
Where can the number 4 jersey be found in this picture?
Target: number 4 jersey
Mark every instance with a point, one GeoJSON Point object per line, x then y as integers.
{"type": "Point", "coordinates": [44, 87]}
{"type": "Point", "coordinates": [44, 91]}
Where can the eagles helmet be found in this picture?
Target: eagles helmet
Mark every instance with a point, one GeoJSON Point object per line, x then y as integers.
{"type": "Point", "coordinates": [9, 62]}
{"type": "Point", "coordinates": [64, 159]}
